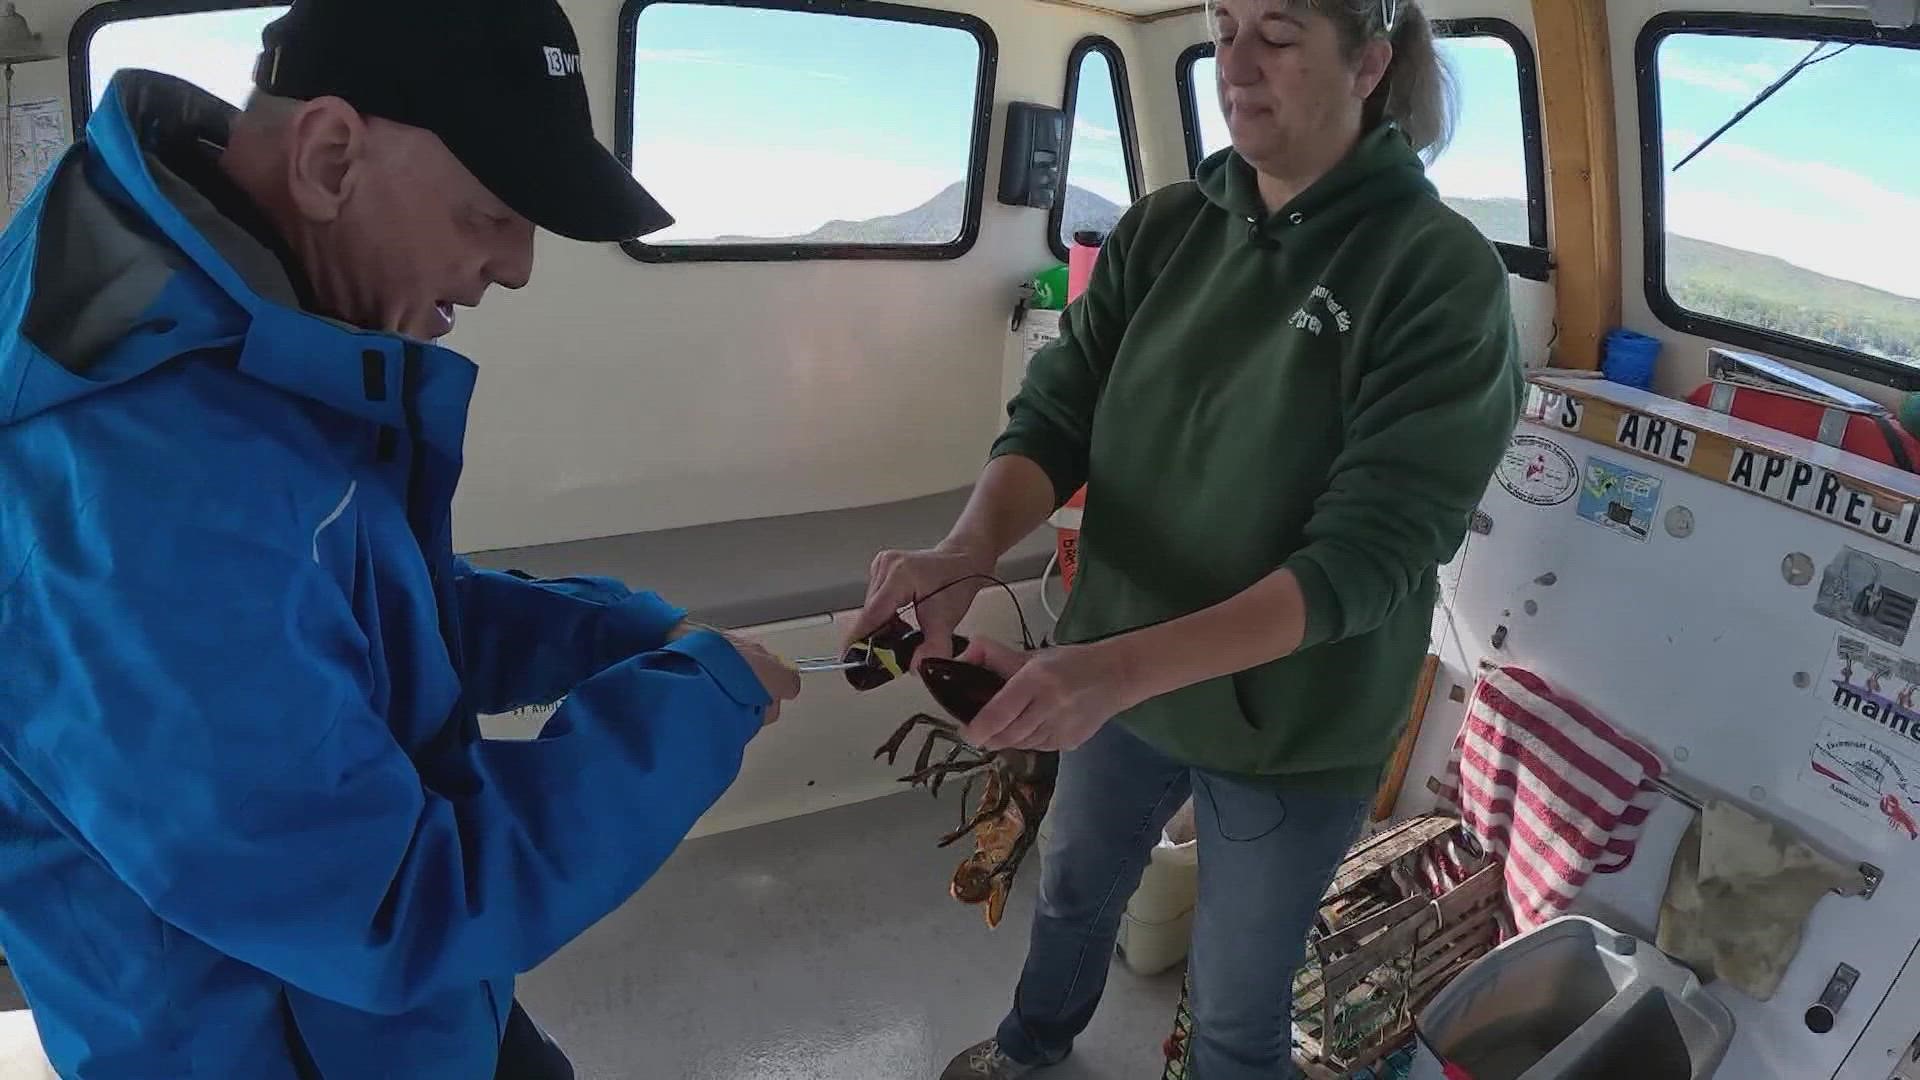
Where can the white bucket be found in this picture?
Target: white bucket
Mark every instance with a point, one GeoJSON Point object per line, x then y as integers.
{"type": "Point", "coordinates": [1157, 926]}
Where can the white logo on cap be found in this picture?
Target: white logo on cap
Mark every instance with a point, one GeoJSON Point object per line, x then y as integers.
{"type": "Point", "coordinates": [561, 64]}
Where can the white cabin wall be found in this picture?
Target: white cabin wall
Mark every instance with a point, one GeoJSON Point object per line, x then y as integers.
{"type": "Point", "coordinates": [1683, 360]}
{"type": "Point", "coordinates": [1163, 147]}
{"type": "Point", "coordinates": [620, 397]}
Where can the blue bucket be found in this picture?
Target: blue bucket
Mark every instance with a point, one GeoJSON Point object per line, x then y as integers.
{"type": "Point", "coordinates": [1630, 358]}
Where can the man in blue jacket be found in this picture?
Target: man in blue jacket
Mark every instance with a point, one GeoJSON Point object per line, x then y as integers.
{"type": "Point", "coordinates": [248, 826]}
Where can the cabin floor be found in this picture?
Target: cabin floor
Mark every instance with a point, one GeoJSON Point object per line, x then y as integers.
{"type": "Point", "coordinates": [822, 946]}
{"type": "Point", "coordinates": [818, 946]}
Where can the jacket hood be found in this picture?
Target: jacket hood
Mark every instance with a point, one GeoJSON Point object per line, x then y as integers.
{"type": "Point", "coordinates": [115, 266]}
{"type": "Point", "coordinates": [1382, 168]}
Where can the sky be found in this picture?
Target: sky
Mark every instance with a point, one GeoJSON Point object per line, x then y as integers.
{"type": "Point", "coordinates": [1825, 174]}
{"type": "Point", "coordinates": [851, 117]}
{"type": "Point", "coordinates": [854, 118]}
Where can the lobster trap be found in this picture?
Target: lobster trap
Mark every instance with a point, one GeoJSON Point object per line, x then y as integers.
{"type": "Point", "coordinates": [1408, 910]}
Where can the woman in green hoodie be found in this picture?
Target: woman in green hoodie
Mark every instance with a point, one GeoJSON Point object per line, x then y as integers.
{"type": "Point", "coordinates": [1286, 387]}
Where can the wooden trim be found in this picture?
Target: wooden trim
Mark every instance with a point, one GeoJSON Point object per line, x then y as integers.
{"type": "Point", "coordinates": [1576, 83]}
{"type": "Point", "coordinates": [1154, 17]}
{"type": "Point", "coordinates": [1389, 793]}
{"type": "Point", "coordinates": [1172, 13]}
{"type": "Point", "coordinates": [1128, 16]}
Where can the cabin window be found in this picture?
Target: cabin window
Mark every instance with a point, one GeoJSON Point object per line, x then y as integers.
{"type": "Point", "coordinates": [212, 46]}
{"type": "Point", "coordinates": [806, 129]}
{"type": "Point", "coordinates": [1781, 189]}
{"type": "Point", "coordinates": [1492, 171]}
{"type": "Point", "coordinates": [1103, 170]}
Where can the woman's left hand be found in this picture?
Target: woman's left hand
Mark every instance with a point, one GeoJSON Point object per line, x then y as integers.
{"type": "Point", "coordinates": [1055, 698]}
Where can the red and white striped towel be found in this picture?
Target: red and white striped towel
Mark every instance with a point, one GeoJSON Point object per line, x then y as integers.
{"type": "Point", "coordinates": [1548, 787]}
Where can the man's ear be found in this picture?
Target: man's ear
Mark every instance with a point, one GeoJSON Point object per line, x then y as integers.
{"type": "Point", "coordinates": [327, 145]}
{"type": "Point", "coordinates": [1376, 57]}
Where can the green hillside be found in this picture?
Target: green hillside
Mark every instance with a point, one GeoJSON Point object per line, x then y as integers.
{"type": "Point", "coordinates": [1758, 290]}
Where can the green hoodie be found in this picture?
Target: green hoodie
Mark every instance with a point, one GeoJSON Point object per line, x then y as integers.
{"type": "Point", "coordinates": [1326, 388]}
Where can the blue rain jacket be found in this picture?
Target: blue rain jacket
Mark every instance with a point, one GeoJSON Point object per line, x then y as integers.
{"type": "Point", "coordinates": [248, 826]}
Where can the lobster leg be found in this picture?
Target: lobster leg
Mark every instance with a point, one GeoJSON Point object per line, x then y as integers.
{"type": "Point", "coordinates": [934, 737]}
{"type": "Point", "coordinates": [945, 768]}
{"type": "Point", "coordinates": [891, 748]}
{"type": "Point", "coordinates": [994, 800]}
{"type": "Point", "coordinates": [1029, 833]}
{"type": "Point", "coordinates": [940, 778]}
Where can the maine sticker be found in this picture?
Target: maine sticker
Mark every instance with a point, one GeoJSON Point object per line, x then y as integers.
{"type": "Point", "coordinates": [1537, 471]}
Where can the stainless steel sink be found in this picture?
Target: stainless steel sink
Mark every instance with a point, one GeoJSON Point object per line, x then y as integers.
{"type": "Point", "coordinates": [1576, 1000]}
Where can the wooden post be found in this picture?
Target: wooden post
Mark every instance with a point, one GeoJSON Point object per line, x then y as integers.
{"type": "Point", "coordinates": [1389, 793]}
{"type": "Point", "coordinates": [1583, 167]}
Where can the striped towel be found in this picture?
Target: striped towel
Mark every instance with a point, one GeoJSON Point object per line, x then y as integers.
{"type": "Point", "coordinates": [1548, 787]}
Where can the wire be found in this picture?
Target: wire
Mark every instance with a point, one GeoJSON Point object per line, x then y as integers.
{"type": "Point", "coordinates": [1052, 561]}
{"type": "Point", "coordinates": [1806, 62]}
{"type": "Point", "coordinates": [1221, 823]}
{"type": "Point", "coordinates": [1026, 634]}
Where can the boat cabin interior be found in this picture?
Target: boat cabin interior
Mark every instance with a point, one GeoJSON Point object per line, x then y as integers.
{"type": "Point", "coordinates": [1698, 564]}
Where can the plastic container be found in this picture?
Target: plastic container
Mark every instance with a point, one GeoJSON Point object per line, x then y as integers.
{"type": "Point", "coordinates": [1081, 256]}
{"type": "Point", "coordinates": [1630, 358]}
{"type": "Point", "coordinates": [1575, 1000]}
{"type": "Point", "coordinates": [1050, 288]}
{"type": "Point", "coordinates": [1157, 927]}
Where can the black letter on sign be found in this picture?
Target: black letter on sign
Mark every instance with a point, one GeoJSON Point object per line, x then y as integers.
{"type": "Point", "coordinates": [1630, 431]}
{"type": "Point", "coordinates": [1682, 445]}
{"type": "Point", "coordinates": [1656, 436]}
{"type": "Point", "coordinates": [1743, 469]}
{"type": "Point", "coordinates": [1829, 498]}
{"type": "Point", "coordinates": [1776, 466]}
{"type": "Point", "coordinates": [1802, 476]}
{"type": "Point", "coordinates": [1856, 502]}
{"type": "Point", "coordinates": [1569, 413]}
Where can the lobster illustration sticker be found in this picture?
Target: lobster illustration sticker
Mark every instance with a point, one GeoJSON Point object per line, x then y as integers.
{"type": "Point", "coordinates": [1865, 778]}
{"type": "Point", "coordinates": [1537, 471]}
{"type": "Point", "coordinates": [1619, 499]}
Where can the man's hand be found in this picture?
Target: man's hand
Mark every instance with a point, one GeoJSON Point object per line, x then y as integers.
{"type": "Point", "coordinates": [899, 578]}
{"type": "Point", "coordinates": [1055, 699]}
{"type": "Point", "coordinates": [781, 679]}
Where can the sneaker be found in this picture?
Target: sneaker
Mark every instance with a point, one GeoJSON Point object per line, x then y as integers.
{"type": "Point", "coordinates": [985, 1061]}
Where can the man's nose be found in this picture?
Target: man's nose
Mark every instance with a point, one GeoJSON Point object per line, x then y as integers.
{"type": "Point", "coordinates": [512, 265]}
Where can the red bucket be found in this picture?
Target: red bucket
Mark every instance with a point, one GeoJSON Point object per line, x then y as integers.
{"type": "Point", "coordinates": [1066, 540]}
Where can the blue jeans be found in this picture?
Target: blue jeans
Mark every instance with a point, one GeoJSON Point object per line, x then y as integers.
{"type": "Point", "coordinates": [1265, 859]}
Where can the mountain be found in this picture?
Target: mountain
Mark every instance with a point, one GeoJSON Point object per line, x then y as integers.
{"type": "Point", "coordinates": [1501, 219]}
{"type": "Point", "coordinates": [1713, 279]}
{"type": "Point", "coordinates": [1089, 210]}
{"type": "Point", "coordinates": [1760, 290]}
{"type": "Point", "coordinates": [936, 221]}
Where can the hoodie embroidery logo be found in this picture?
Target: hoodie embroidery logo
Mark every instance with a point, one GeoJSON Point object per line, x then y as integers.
{"type": "Point", "coordinates": [1305, 319]}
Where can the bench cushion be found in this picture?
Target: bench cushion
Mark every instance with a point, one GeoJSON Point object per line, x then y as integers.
{"type": "Point", "coordinates": [766, 570]}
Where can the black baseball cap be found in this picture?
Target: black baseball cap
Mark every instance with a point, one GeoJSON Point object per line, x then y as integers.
{"type": "Point", "coordinates": [498, 81]}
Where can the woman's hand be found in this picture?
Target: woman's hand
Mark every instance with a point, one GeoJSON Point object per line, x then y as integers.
{"type": "Point", "coordinates": [1055, 698]}
{"type": "Point", "coordinates": [940, 583]}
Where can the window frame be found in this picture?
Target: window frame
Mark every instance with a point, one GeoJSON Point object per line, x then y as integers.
{"type": "Point", "coordinates": [1129, 131]}
{"type": "Point", "coordinates": [104, 14]}
{"type": "Point", "coordinates": [1533, 260]}
{"type": "Point", "coordinates": [976, 177]}
{"type": "Point", "coordinates": [1189, 108]}
{"type": "Point", "coordinates": [1653, 192]}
